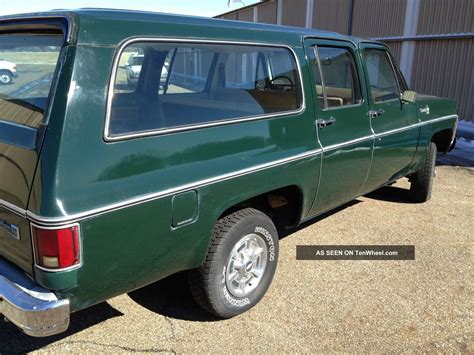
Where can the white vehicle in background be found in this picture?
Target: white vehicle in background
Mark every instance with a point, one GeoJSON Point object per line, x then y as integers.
{"type": "Point", "coordinates": [7, 72]}
{"type": "Point", "coordinates": [134, 66]}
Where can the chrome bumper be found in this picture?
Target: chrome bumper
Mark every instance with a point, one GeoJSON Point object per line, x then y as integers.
{"type": "Point", "coordinates": [33, 309]}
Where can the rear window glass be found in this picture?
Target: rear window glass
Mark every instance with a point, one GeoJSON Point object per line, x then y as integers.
{"type": "Point", "coordinates": [185, 85]}
{"type": "Point", "coordinates": [27, 65]}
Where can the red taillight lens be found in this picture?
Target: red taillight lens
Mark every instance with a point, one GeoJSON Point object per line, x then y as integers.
{"type": "Point", "coordinates": [57, 248]}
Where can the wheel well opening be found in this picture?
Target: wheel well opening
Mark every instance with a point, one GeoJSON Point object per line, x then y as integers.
{"type": "Point", "coordinates": [283, 206]}
{"type": "Point", "coordinates": [442, 140]}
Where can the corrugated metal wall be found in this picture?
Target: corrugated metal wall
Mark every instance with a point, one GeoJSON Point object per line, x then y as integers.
{"type": "Point", "coordinates": [378, 18]}
{"type": "Point", "coordinates": [331, 15]}
{"type": "Point", "coordinates": [442, 67]}
{"type": "Point", "coordinates": [396, 50]}
{"type": "Point", "coordinates": [230, 16]}
{"type": "Point", "coordinates": [246, 15]}
{"type": "Point", "coordinates": [294, 13]}
{"type": "Point", "coordinates": [267, 13]}
{"type": "Point", "coordinates": [436, 71]}
{"type": "Point", "coordinates": [446, 16]}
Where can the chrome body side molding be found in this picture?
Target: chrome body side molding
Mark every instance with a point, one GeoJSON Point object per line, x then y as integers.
{"type": "Point", "coordinates": [55, 221]}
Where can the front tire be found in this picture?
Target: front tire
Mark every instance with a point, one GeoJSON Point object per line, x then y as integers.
{"type": "Point", "coordinates": [422, 181]}
{"type": "Point", "coordinates": [239, 266]}
{"type": "Point", "coordinates": [6, 77]}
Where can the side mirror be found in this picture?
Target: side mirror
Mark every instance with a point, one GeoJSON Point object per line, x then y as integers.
{"type": "Point", "coordinates": [408, 96]}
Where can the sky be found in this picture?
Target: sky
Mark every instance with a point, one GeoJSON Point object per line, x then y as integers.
{"type": "Point", "coordinates": [186, 7]}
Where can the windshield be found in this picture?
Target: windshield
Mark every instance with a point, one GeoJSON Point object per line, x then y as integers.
{"type": "Point", "coordinates": [27, 65]}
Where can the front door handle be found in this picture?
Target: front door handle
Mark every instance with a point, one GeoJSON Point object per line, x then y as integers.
{"type": "Point", "coordinates": [425, 110]}
{"type": "Point", "coordinates": [325, 123]}
{"type": "Point", "coordinates": [376, 113]}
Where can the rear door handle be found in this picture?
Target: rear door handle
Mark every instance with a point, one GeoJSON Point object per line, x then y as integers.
{"type": "Point", "coordinates": [376, 113]}
{"type": "Point", "coordinates": [325, 123]}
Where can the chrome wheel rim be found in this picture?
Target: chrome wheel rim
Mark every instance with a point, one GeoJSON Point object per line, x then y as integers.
{"type": "Point", "coordinates": [5, 79]}
{"type": "Point", "coordinates": [246, 265]}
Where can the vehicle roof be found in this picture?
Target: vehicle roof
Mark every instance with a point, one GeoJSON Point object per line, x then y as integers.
{"type": "Point", "coordinates": [89, 23]}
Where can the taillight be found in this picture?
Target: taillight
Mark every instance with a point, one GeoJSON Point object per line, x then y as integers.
{"type": "Point", "coordinates": [57, 248]}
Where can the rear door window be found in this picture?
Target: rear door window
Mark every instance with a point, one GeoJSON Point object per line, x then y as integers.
{"type": "Point", "coordinates": [335, 73]}
{"type": "Point", "coordinates": [187, 85]}
{"type": "Point", "coordinates": [27, 66]}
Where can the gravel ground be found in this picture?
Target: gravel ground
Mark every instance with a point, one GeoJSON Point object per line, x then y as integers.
{"type": "Point", "coordinates": [316, 306]}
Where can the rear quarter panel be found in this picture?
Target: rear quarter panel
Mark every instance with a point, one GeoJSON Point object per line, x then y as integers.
{"type": "Point", "coordinates": [129, 247]}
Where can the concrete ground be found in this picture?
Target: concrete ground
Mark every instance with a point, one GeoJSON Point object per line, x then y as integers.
{"type": "Point", "coordinates": [316, 306]}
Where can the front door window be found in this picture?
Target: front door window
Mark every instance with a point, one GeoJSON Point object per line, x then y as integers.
{"type": "Point", "coordinates": [382, 80]}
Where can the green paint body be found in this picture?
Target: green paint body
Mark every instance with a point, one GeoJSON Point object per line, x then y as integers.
{"type": "Point", "coordinates": [134, 245]}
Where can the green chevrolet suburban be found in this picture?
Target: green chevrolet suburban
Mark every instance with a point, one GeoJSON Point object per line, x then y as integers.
{"type": "Point", "coordinates": [228, 134]}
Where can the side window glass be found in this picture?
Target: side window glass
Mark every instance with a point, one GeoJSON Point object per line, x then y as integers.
{"type": "Point", "coordinates": [130, 66]}
{"type": "Point", "coordinates": [161, 86]}
{"type": "Point", "coordinates": [383, 83]}
{"type": "Point", "coordinates": [190, 70]}
{"type": "Point", "coordinates": [336, 79]}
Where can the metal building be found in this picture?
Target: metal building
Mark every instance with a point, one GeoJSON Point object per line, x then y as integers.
{"type": "Point", "coordinates": [433, 40]}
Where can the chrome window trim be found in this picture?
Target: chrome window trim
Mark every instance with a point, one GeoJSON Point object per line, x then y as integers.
{"type": "Point", "coordinates": [73, 267]}
{"type": "Point", "coordinates": [58, 222]}
{"type": "Point", "coordinates": [110, 93]}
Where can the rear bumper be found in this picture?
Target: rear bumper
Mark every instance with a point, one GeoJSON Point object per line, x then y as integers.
{"type": "Point", "coordinates": [33, 309]}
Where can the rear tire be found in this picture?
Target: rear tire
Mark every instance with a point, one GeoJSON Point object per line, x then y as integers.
{"type": "Point", "coordinates": [5, 77]}
{"type": "Point", "coordinates": [422, 181]}
{"type": "Point", "coordinates": [239, 266]}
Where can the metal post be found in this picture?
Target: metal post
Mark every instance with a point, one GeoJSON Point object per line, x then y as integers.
{"type": "Point", "coordinates": [407, 56]}
{"type": "Point", "coordinates": [351, 17]}
{"type": "Point", "coordinates": [279, 11]}
{"type": "Point", "coordinates": [309, 13]}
